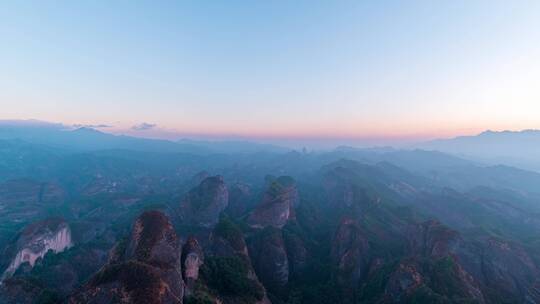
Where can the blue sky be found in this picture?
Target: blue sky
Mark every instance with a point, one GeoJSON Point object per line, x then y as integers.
{"type": "Point", "coordinates": [261, 69]}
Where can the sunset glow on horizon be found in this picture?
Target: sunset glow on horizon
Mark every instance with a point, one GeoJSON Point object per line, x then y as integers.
{"type": "Point", "coordinates": [396, 71]}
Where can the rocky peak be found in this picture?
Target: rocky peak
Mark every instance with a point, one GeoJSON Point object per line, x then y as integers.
{"type": "Point", "coordinates": [36, 240]}
{"type": "Point", "coordinates": [277, 206]}
{"type": "Point", "coordinates": [431, 238]}
{"type": "Point", "coordinates": [227, 274]}
{"type": "Point", "coordinates": [192, 260]}
{"type": "Point", "coordinates": [350, 251]}
{"type": "Point", "coordinates": [441, 246]}
{"type": "Point", "coordinates": [345, 187]}
{"type": "Point", "coordinates": [204, 203]}
{"type": "Point", "coordinates": [508, 268]}
{"type": "Point", "coordinates": [240, 197]}
{"type": "Point", "coordinates": [228, 240]}
{"type": "Point", "coordinates": [403, 282]}
{"type": "Point", "coordinates": [154, 241]}
{"type": "Point", "coordinates": [149, 271]}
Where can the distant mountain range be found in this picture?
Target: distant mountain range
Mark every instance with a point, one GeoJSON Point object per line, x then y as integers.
{"type": "Point", "coordinates": [512, 148]}
{"type": "Point", "coordinates": [89, 139]}
{"type": "Point", "coordinates": [515, 148]}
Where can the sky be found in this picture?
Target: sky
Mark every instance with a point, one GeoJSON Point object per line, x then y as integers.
{"type": "Point", "coordinates": [321, 70]}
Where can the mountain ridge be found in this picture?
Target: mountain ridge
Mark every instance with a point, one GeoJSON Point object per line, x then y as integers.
{"type": "Point", "coordinates": [514, 148]}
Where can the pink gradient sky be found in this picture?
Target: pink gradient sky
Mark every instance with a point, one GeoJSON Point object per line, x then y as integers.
{"type": "Point", "coordinates": [314, 70]}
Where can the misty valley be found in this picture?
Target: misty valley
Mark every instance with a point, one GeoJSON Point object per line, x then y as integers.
{"type": "Point", "coordinates": [88, 217]}
{"type": "Point", "coordinates": [270, 152]}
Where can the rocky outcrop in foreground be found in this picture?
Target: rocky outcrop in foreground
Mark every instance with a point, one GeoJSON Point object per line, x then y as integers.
{"type": "Point", "coordinates": [36, 240]}
{"type": "Point", "coordinates": [433, 267]}
{"type": "Point", "coordinates": [192, 260]}
{"type": "Point", "coordinates": [146, 269]}
{"type": "Point", "coordinates": [226, 274]}
{"type": "Point", "coordinates": [270, 260]}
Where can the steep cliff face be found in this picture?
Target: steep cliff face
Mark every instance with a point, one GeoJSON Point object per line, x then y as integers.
{"type": "Point", "coordinates": [403, 282]}
{"type": "Point", "coordinates": [484, 270]}
{"type": "Point", "coordinates": [192, 260]}
{"type": "Point", "coordinates": [228, 244]}
{"type": "Point", "coordinates": [149, 270]}
{"type": "Point", "coordinates": [429, 270]}
{"type": "Point", "coordinates": [226, 274]}
{"type": "Point", "coordinates": [433, 239]}
{"type": "Point", "coordinates": [426, 280]}
{"type": "Point", "coordinates": [278, 203]}
{"type": "Point", "coordinates": [340, 193]}
{"type": "Point", "coordinates": [345, 187]}
{"type": "Point", "coordinates": [441, 245]}
{"type": "Point", "coordinates": [240, 198]}
{"type": "Point", "coordinates": [503, 269]}
{"type": "Point", "coordinates": [227, 240]}
{"type": "Point", "coordinates": [269, 255]}
{"type": "Point", "coordinates": [297, 253]}
{"type": "Point", "coordinates": [350, 253]}
{"type": "Point", "coordinates": [204, 203]}
{"type": "Point", "coordinates": [154, 241]}
{"type": "Point", "coordinates": [36, 240]}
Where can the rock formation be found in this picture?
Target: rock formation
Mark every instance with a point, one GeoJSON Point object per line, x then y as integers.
{"type": "Point", "coordinates": [36, 240]}
{"type": "Point", "coordinates": [277, 206]}
{"type": "Point", "coordinates": [204, 203]}
{"type": "Point", "coordinates": [227, 274]}
{"type": "Point", "coordinates": [297, 253]}
{"type": "Point", "coordinates": [192, 260]}
{"type": "Point", "coordinates": [350, 254]}
{"type": "Point", "coordinates": [239, 200]}
{"type": "Point", "coordinates": [149, 271]}
{"type": "Point", "coordinates": [403, 282]}
{"type": "Point", "coordinates": [504, 267]}
{"type": "Point", "coordinates": [434, 250]}
{"type": "Point", "coordinates": [347, 184]}
{"type": "Point", "coordinates": [431, 238]}
{"type": "Point", "coordinates": [269, 255]}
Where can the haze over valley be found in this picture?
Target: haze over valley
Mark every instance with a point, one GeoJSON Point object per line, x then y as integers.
{"type": "Point", "coordinates": [271, 152]}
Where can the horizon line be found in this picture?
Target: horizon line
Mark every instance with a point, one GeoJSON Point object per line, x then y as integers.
{"type": "Point", "coordinates": [156, 132]}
